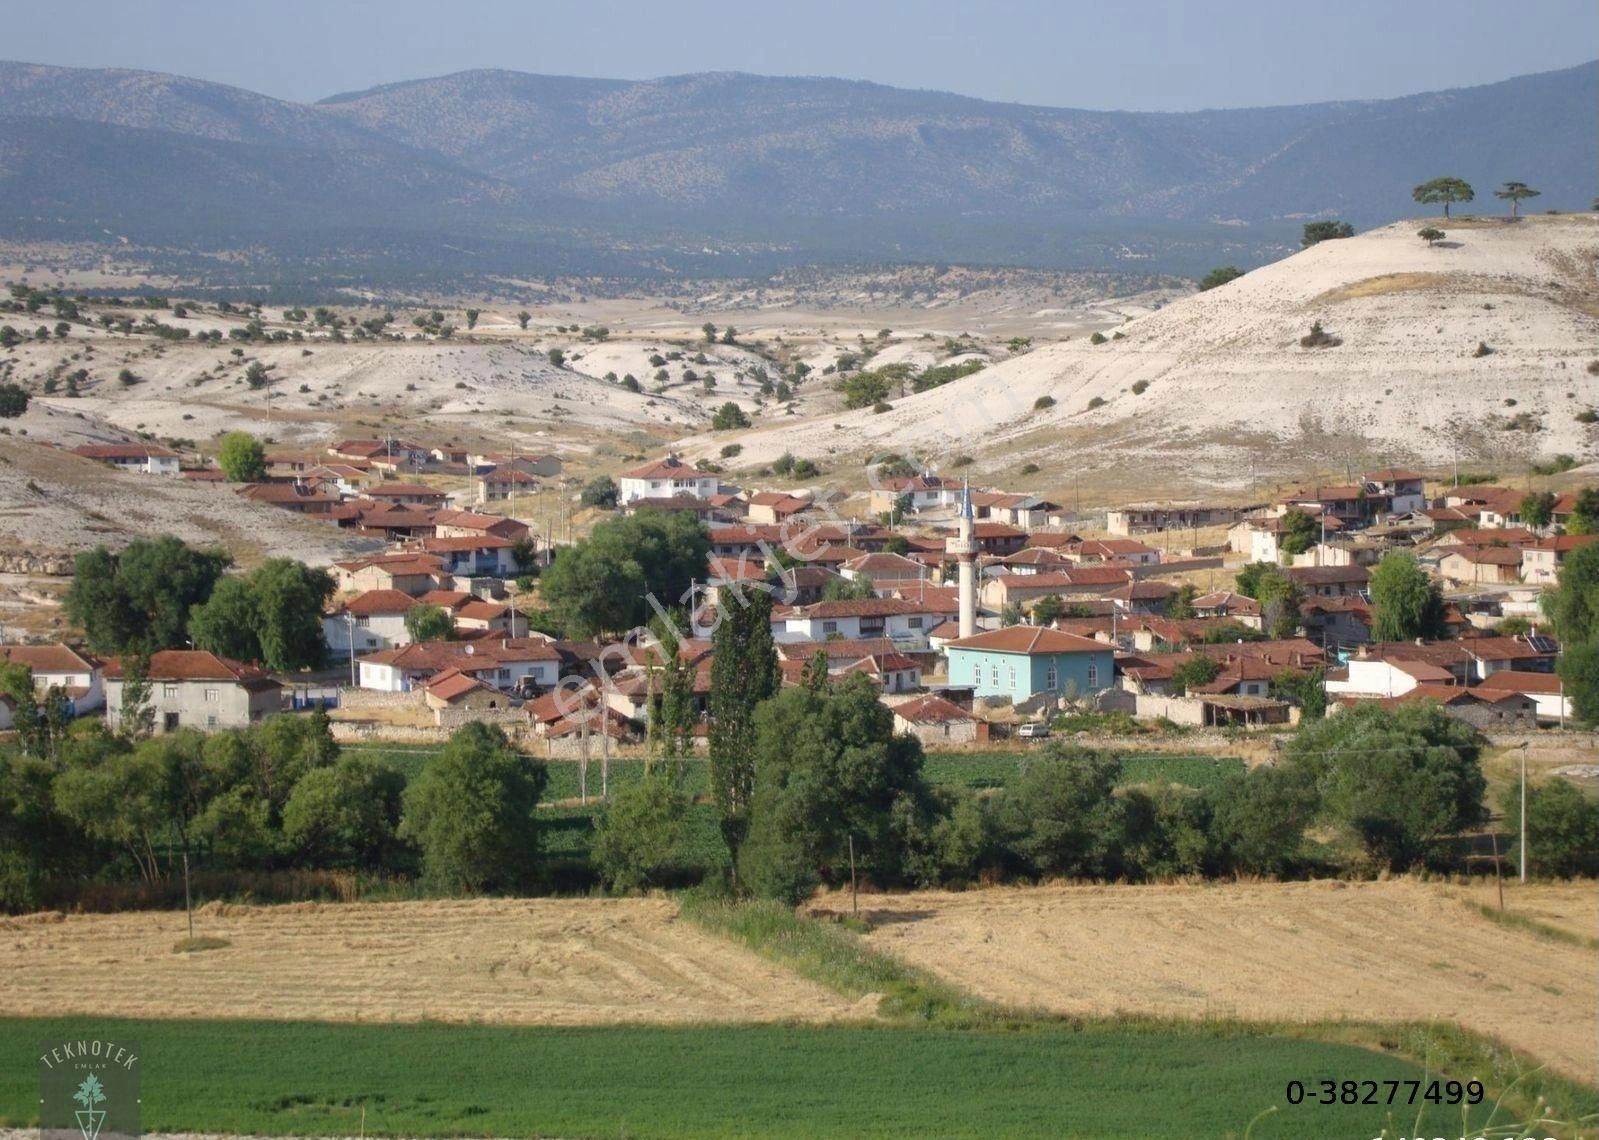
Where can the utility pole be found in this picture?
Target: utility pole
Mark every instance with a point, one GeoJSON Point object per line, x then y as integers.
{"type": "Point", "coordinates": [349, 625]}
{"type": "Point", "coordinates": [1523, 811]}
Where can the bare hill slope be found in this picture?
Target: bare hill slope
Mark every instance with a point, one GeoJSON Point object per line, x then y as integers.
{"type": "Point", "coordinates": [1223, 380]}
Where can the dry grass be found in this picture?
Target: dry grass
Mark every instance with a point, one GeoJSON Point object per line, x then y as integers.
{"type": "Point", "coordinates": [1570, 907]}
{"type": "Point", "coordinates": [1395, 951]}
{"type": "Point", "coordinates": [514, 961]}
{"type": "Point", "coordinates": [1386, 284]}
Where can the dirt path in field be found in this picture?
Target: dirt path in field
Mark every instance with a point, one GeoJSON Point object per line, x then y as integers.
{"type": "Point", "coordinates": [521, 961]}
{"type": "Point", "coordinates": [1295, 951]}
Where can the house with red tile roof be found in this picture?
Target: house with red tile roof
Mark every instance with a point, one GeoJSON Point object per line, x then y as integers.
{"type": "Point", "coordinates": [938, 722]}
{"type": "Point", "coordinates": [1024, 661]}
{"type": "Point", "coordinates": [191, 688]}
{"type": "Point", "coordinates": [144, 458]}
{"type": "Point", "coordinates": [78, 676]}
{"type": "Point", "coordinates": [665, 479]}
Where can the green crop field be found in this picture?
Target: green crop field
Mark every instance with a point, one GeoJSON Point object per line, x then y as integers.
{"type": "Point", "coordinates": [805, 1083]}
{"type": "Point", "coordinates": [998, 769]}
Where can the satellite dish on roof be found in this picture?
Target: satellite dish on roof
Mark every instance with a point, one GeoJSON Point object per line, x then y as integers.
{"type": "Point", "coordinates": [469, 650]}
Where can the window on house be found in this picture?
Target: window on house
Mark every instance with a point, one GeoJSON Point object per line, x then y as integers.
{"type": "Point", "coordinates": [363, 621]}
{"type": "Point", "coordinates": [1011, 670]}
{"type": "Point", "coordinates": [993, 675]}
{"type": "Point", "coordinates": [1051, 678]}
{"type": "Point", "coordinates": [503, 674]}
{"type": "Point", "coordinates": [211, 695]}
{"type": "Point", "coordinates": [830, 627]}
{"type": "Point", "coordinates": [210, 722]}
{"type": "Point", "coordinates": [169, 690]}
{"type": "Point", "coordinates": [1093, 673]}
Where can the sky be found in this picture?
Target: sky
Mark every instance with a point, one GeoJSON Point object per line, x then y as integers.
{"type": "Point", "coordinates": [1136, 55]}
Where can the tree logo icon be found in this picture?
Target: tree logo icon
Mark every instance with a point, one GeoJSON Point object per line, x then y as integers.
{"type": "Point", "coordinates": [90, 1094]}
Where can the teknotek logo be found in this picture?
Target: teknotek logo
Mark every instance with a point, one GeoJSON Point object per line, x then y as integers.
{"type": "Point", "coordinates": [89, 1089]}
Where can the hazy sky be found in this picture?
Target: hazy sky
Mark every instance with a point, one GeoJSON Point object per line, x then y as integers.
{"type": "Point", "coordinates": [1113, 54]}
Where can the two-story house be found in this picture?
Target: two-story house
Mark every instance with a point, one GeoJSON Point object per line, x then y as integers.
{"type": "Point", "coordinates": [905, 622]}
{"type": "Point", "coordinates": [665, 479]}
{"type": "Point", "coordinates": [76, 675]}
{"type": "Point", "coordinates": [191, 688]}
{"type": "Point", "coordinates": [145, 458]}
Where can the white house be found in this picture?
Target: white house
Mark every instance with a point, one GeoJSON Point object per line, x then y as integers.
{"type": "Point", "coordinates": [505, 663]}
{"type": "Point", "coordinates": [78, 677]}
{"type": "Point", "coordinates": [146, 458]}
{"type": "Point", "coordinates": [373, 620]}
{"type": "Point", "coordinates": [665, 479]}
{"type": "Point", "coordinates": [903, 621]}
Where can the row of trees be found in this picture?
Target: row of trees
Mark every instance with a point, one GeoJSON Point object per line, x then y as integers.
{"type": "Point", "coordinates": [276, 796]}
{"type": "Point", "coordinates": [162, 594]}
{"type": "Point", "coordinates": [1448, 190]}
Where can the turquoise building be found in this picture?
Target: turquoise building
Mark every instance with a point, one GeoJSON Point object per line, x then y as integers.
{"type": "Point", "coordinates": [1023, 661]}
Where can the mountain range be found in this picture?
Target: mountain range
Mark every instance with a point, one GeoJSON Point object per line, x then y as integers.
{"type": "Point", "coordinates": [499, 172]}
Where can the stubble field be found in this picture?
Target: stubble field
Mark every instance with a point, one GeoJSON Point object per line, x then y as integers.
{"type": "Point", "coordinates": [1394, 951]}
{"type": "Point", "coordinates": [519, 962]}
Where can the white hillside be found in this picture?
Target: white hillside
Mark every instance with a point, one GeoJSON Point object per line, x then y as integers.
{"type": "Point", "coordinates": [1228, 381]}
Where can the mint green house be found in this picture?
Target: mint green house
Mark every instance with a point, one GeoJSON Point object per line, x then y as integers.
{"type": "Point", "coordinates": [1023, 661]}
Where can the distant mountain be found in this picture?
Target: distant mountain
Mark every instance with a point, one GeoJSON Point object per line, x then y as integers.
{"type": "Point", "coordinates": [758, 171]}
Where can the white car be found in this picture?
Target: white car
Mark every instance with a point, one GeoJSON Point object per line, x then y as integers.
{"type": "Point", "coordinates": [1033, 730]}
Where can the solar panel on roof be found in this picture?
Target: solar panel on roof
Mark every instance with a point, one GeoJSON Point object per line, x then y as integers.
{"type": "Point", "coordinates": [1541, 644]}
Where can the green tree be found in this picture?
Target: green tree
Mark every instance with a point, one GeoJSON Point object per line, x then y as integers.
{"type": "Point", "coordinates": [471, 318]}
{"type": "Point", "coordinates": [639, 837]}
{"type": "Point", "coordinates": [1193, 673]}
{"type": "Point", "coordinates": [1181, 605]}
{"type": "Point", "coordinates": [1406, 603]}
{"type": "Point", "coordinates": [138, 601]}
{"type": "Point", "coordinates": [1515, 193]}
{"type": "Point", "coordinates": [1585, 513]}
{"type": "Point", "coordinates": [523, 318]}
{"type": "Point", "coordinates": [256, 376]}
{"type": "Point", "coordinates": [1401, 780]}
{"type": "Point", "coordinates": [601, 582]}
{"type": "Point", "coordinates": [556, 357]}
{"type": "Point", "coordinates": [600, 491]}
{"type": "Point", "coordinates": [1219, 277]}
{"type": "Point", "coordinates": [1538, 509]}
{"type": "Point", "coordinates": [1060, 816]}
{"type": "Point", "coordinates": [1444, 190]}
{"type": "Point", "coordinates": [1563, 825]}
{"type": "Point", "coordinates": [743, 674]}
{"type": "Point", "coordinates": [428, 622]}
{"type": "Point", "coordinates": [728, 417]}
{"type": "Point", "coordinates": [841, 589]}
{"type": "Point", "coordinates": [1305, 690]}
{"type": "Point", "coordinates": [226, 624]}
{"type": "Point", "coordinates": [1258, 820]}
{"type": "Point", "coordinates": [241, 457]}
{"type": "Point", "coordinates": [829, 769]}
{"type": "Point", "coordinates": [864, 389]}
{"type": "Point", "coordinates": [1300, 531]}
{"type": "Point", "coordinates": [1048, 609]}
{"type": "Point", "coordinates": [1277, 594]}
{"type": "Point", "coordinates": [1316, 232]}
{"type": "Point", "coordinates": [345, 815]}
{"type": "Point", "coordinates": [472, 811]}
{"type": "Point", "coordinates": [709, 330]}
{"type": "Point", "coordinates": [1431, 235]}
{"type": "Point", "coordinates": [1578, 667]}
{"type": "Point", "coordinates": [13, 401]}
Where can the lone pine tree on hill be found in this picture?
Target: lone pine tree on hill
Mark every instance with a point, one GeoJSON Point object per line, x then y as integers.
{"type": "Point", "coordinates": [1445, 190]}
{"type": "Point", "coordinates": [1514, 193]}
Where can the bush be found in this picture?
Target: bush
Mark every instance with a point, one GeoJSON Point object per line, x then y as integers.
{"type": "Point", "coordinates": [1319, 338]}
{"type": "Point", "coordinates": [882, 406]}
{"type": "Point", "coordinates": [1483, 349]}
{"type": "Point", "coordinates": [13, 401]}
{"type": "Point", "coordinates": [1043, 403]}
{"type": "Point", "coordinates": [1030, 469]}
{"type": "Point", "coordinates": [1219, 277]}
{"type": "Point", "coordinates": [1096, 402]}
{"type": "Point", "coordinates": [729, 450]}
{"type": "Point", "coordinates": [729, 417]}
{"type": "Point", "coordinates": [1564, 825]}
{"type": "Point", "coordinates": [601, 491]}
{"type": "Point", "coordinates": [1587, 416]}
{"type": "Point", "coordinates": [638, 838]}
{"type": "Point", "coordinates": [1140, 387]}
{"type": "Point", "coordinates": [1098, 338]}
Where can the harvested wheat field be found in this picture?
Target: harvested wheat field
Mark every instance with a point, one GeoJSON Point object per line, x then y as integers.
{"type": "Point", "coordinates": [1572, 907]}
{"type": "Point", "coordinates": [521, 961]}
{"type": "Point", "coordinates": [1395, 951]}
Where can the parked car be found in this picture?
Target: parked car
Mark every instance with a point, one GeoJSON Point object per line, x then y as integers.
{"type": "Point", "coordinates": [1033, 731]}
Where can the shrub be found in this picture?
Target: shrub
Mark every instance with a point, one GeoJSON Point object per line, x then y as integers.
{"type": "Point", "coordinates": [1483, 349]}
{"type": "Point", "coordinates": [728, 417]}
{"type": "Point", "coordinates": [1096, 402]}
{"type": "Point", "coordinates": [962, 461]}
{"type": "Point", "coordinates": [1319, 338]}
{"type": "Point", "coordinates": [1030, 469]}
{"type": "Point", "coordinates": [882, 406]}
{"type": "Point", "coordinates": [1219, 277]}
{"type": "Point", "coordinates": [1140, 387]}
{"type": "Point", "coordinates": [1098, 338]}
{"type": "Point", "coordinates": [729, 450]}
{"type": "Point", "coordinates": [1043, 403]}
{"type": "Point", "coordinates": [805, 469]}
{"type": "Point", "coordinates": [1587, 416]}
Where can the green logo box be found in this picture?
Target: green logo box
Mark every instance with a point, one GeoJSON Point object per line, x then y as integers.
{"type": "Point", "coordinates": [89, 1089]}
